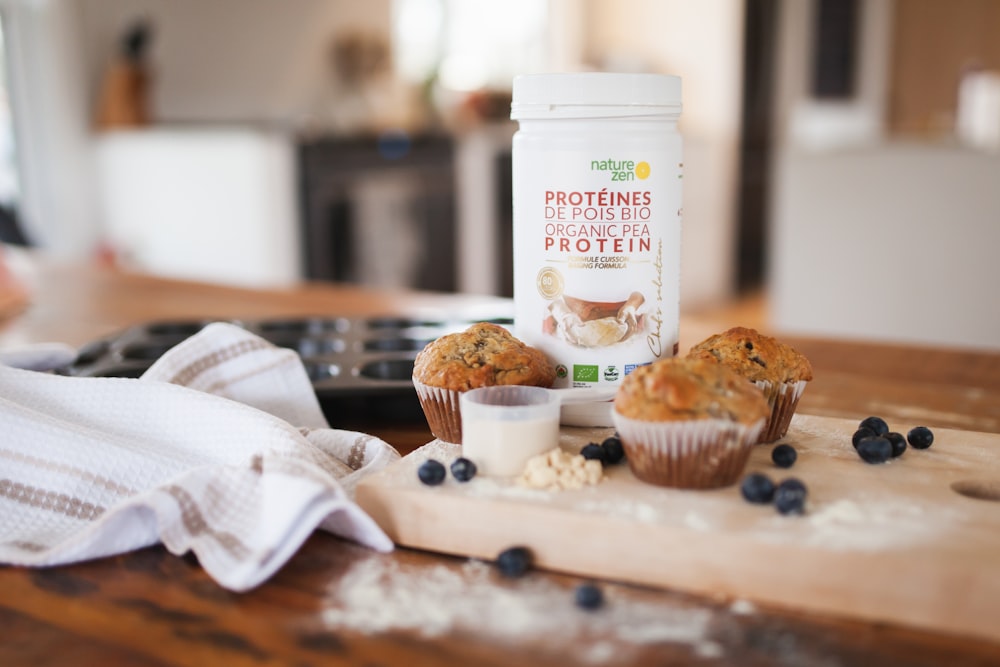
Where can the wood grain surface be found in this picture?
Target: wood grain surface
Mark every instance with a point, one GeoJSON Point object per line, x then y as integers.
{"type": "Point", "coordinates": [915, 540]}
{"type": "Point", "coordinates": [336, 603]}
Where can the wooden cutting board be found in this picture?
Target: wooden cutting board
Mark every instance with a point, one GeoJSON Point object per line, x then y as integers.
{"type": "Point", "coordinates": [915, 541]}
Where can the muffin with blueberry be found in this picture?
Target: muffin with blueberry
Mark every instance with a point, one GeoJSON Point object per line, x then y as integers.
{"type": "Point", "coordinates": [688, 422]}
{"type": "Point", "coordinates": [776, 368]}
{"type": "Point", "coordinates": [483, 355]}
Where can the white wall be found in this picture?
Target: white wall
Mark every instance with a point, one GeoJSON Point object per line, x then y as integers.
{"type": "Point", "coordinates": [210, 204]}
{"type": "Point", "coordinates": [259, 61]}
{"type": "Point", "coordinates": [219, 61]}
{"type": "Point", "coordinates": [893, 242]}
{"type": "Point", "coordinates": [51, 123]}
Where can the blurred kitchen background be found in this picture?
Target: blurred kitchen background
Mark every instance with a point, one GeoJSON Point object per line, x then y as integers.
{"type": "Point", "coordinates": [842, 157]}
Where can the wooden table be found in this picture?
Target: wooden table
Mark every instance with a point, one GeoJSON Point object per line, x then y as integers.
{"type": "Point", "coordinates": [151, 608]}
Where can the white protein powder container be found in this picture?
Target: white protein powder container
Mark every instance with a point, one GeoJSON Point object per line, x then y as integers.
{"type": "Point", "coordinates": [597, 169]}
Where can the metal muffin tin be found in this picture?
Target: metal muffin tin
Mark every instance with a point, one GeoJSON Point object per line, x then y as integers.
{"type": "Point", "coordinates": [350, 360]}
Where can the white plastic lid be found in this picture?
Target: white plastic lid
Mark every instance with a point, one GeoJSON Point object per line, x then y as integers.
{"type": "Point", "coordinates": [594, 94]}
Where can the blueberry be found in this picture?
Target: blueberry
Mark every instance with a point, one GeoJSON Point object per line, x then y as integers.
{"type": "Point", "coordinates": [784, 456]}
{"type": "Point", "coordinates": [431, 472]}
{"type": "Point", "coordinates": [876, 424]}
{"type": "Point", "coordinates": [588, 596]}
{"type": "Point", "coordinates": [613, 450]}
{"type": "Point", "coordinates": [920, 437]}
{"type": "Point", "coordinates": [757, 488]}
{"type": "Point", "coordinates": [875, 450]}
{"type": "Point", "coordinates": [463, 469]}
{"type": "Point", "coordinates": [514, 562]}
{"type": "Point", "coordinates": [790, 496]}
{"type": "Point", "coordinates": [594, 451]}
{"type": "Point", "coordinates": [860, 434]}
{"type": "Point", "coordinates": [897, 441]}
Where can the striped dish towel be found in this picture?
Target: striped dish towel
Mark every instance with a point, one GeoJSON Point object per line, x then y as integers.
{"type": "Point", "coordinates": [220, 448]}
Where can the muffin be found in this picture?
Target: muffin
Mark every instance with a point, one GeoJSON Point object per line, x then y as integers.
{"type": "Point", "coordinates": [483, 355]}
{"type": "Point", "coordinates": [687, 422]}
{"type": "Point", "coordinates": [778, 370]}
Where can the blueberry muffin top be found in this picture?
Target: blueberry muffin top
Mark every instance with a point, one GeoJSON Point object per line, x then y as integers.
{"type": "Point", "coordinates": [755, 356]}
{"type": "Point", "coordinates": [483, 355]}
{"type": "Point", "coordinates": [687, 388]}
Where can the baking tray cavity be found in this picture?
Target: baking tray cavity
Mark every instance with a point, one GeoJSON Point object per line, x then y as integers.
{"type": "Point", "coordinates": [359, 366]}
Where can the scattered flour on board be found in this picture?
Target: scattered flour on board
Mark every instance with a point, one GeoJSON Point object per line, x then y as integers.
{"type": "Point", "coordinates": [624, 508]}
{"type": "Point", "coordinates": [697, 522]}
{"type": "Point", "coordinates": [380, 595]}
{"type": "Point", "coordinates": [742, 607]}
{"type": "Point", "coordinates": [880, 523]}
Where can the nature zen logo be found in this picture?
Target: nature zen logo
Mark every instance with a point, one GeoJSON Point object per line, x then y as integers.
{"type": "Point", "coordinates": [622, 170]}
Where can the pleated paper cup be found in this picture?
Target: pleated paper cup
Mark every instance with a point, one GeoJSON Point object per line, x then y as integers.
{"type": "Point", "coordinates": [783, 399]}
{"type": "Point", "coordinates": [442, 411]}
{"type": "Point", "coordinates": [693, 454]}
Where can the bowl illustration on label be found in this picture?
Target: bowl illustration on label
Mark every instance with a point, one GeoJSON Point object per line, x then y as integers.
{"type": "Point", "coordinates": [595, 323]}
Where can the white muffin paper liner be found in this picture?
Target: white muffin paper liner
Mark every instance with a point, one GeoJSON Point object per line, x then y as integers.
{"type": "Point", "coordinates": [442, 411]}
{"type": "Point", "coordinates": [694, 454]}
{"type": "Point", "coordinates": [782, 399]}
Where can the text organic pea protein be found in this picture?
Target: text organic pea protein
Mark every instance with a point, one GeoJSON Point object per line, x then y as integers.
{"type": "Point", "coordinates": [597, 221]}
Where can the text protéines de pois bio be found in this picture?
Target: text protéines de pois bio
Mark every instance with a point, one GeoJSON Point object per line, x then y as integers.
{"type": "Point", "coordinates": [597, 220]}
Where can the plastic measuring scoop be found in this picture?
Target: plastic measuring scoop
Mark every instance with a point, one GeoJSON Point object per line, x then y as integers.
{"type": "Point", "coordinates": [504, 426]}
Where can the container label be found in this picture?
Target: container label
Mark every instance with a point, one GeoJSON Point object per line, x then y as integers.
{"type": "Point", "coordinates": [596, 256]}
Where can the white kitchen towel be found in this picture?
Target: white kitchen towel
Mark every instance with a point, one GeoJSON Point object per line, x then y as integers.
{"type": "Point", "coordinates": [220, 448]}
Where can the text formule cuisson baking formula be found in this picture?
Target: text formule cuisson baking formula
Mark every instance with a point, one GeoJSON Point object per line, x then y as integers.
{"type": "Point", "coordinates": [597, 169]}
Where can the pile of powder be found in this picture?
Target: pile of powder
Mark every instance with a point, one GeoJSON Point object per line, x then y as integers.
{"type": "Point", "coordinates": [380, 595]}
